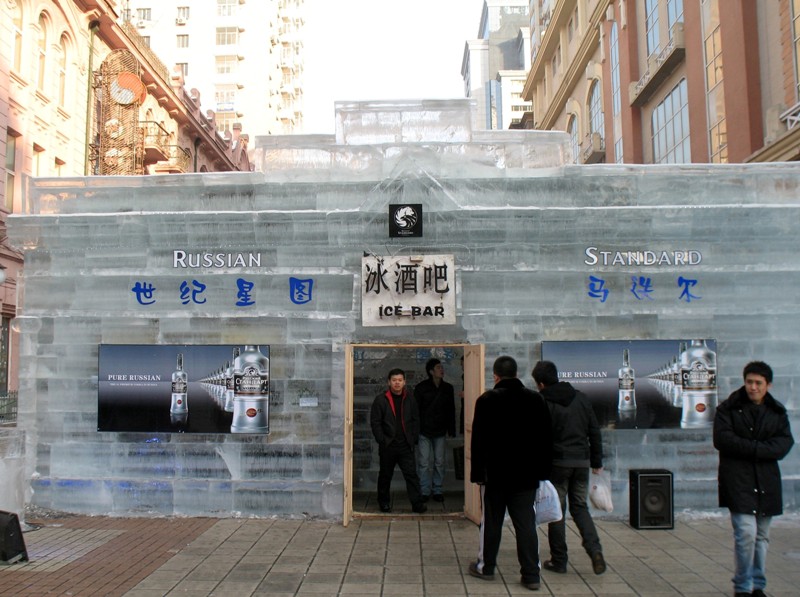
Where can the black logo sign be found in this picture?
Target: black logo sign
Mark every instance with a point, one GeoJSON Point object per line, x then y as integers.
{"type": "Point", "coordinates": [405, 220]}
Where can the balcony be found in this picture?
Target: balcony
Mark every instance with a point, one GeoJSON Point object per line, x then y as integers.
{"type": "Point", "coordinates": [593, 148]}
{"type": "Point", "coordinates": [659, 68]}
{"type": "Point", "coordinates": [155, 142]}
{"type": "Point", "coordinates": [178, 161]}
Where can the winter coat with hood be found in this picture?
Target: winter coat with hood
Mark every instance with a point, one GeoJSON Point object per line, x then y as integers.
{"type": "Point", "coordinates": [577, 441]}
{"type": "Point", "coordinates": [751, 439]}
{"type": "Point", "coordinates": [511, 438]}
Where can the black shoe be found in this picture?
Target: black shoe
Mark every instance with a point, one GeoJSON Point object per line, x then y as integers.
{"type": "Point", "coordinates": [598, 563]}
{"type": "Point", "coordinates": [438, 497]}
{"type": "Point", "coordinates": [425, 498]}
{"type": "Point", "coordinates": [473, 571]}
{"type": "Point", "coordinates": [419, 508]}
{"type": "Point", "coordinates": [534, 585]}
{"type": "Point", "coordinates": [553, 567]}
{"type": "Point", "coordinates": [386, 508]}
{"type": "Point", "coordinates": [758, 593]}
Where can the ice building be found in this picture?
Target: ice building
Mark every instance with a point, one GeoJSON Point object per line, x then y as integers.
{"type": "Point", "coordinates": [273, 303]}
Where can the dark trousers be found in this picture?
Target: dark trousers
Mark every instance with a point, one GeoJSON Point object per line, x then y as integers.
{"type": "Point", "coordinates": [495, 502]}
{"type": "Point", "coordinates": [572, 484]}
{"type": "Point", "coordinates": [397, 453]}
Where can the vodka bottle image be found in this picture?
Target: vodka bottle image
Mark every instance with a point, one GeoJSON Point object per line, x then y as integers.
{"type": "Point", "coordinates": [250, 392]}
{"type": "Point", "coordinates": [627, 379]}
{"type": "Point", "coordinates": [180, 385]}
{"type": "Point", "coordinates": [698, 385]}
{"type": "Point", "coordinates": [229, 383]}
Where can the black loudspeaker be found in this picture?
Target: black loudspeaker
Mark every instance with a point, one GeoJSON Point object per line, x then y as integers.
{"type": "Point", "coordinates": [651, 505]}
{"type": "Point", "coordinates": [12, 545]}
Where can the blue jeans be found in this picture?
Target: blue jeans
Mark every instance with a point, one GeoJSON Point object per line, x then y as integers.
{"type": "Point", "coordinates": [751, 540]}
{"type": "Point", "coordinates": [572, 483]}
{"type": "Point", "coordinates": [425, 446]}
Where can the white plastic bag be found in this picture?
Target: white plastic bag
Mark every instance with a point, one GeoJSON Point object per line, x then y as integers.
{"type": "Point", "coordinates": [547, 506]}
{"type": "Point", "coordinates": [600, 492]}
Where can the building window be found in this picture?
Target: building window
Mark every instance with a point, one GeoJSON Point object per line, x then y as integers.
{"type": "Point", "coordinates": [11, 162]}
{"type": "Point", "coordinates": [226, 8]}
{"type": "Point", "coordinates": [795, 6]}
{"type": "Point", "coordinates": [715, 87]}
{"type": "Point", "coordinates": [4, 354]}
{"type": "Point", "coordinates": [183, 68]}
{"type": "Point", "coordinates": [227, 36]}
{"type": "Point", "coordinates": [574, 145]}
{"type": "Point", "coordinates": [42, 53]}
{"type": "Point", "coordinates": [62, 71]}
{"type": "Point", "coordinates": [674, 13]}
{"type": "Point", "coordinates": [182, 41]}
{"type": "Point", "coordinates": [225, 121]}
{"type": "Point", "coordinates": [143, 14]}
{"type": "Point", "coordinates": [616, 103]}
{"type": "Point", "coordinates": [183, 13]}
{"type": "Point", "coordinates": [226, 65]}
{"type": "Point", "coordinates": [670, 128]}
{"type": "Point", "coordinates": [596, 119]}
{"type": "Point", "coordinates": [16, 61]}
{"type": "Point", "coordinates": [651, 26]}
{"type": "Point", "coordinates": [146, 40]}
{"type": "Point", "coordinates": [38, 162]}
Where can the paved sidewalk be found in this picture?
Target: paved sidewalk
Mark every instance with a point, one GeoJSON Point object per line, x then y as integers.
{"type": "Point", "coordinates": [405, 556]}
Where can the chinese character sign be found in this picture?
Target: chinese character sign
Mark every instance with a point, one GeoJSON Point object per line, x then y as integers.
{"type": "Point", "coordinates": [408, 290]}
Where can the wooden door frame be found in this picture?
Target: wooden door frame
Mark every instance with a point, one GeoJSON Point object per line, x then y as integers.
{"type": "Point", "coordinates": [474, 383]}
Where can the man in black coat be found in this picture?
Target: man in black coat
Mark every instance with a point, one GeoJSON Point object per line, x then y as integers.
{"type": "Point", "coordinates": [577, 445]}
{"type": "Point", "coordinates": [510, 453]}
{"type": "Point", "coordinates": [394, 419]}
{"type": "Point", "coordinates": [752, 433]}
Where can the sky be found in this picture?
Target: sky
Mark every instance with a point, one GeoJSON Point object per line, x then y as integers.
{"type": "Point", "coordinates": [356, 50]}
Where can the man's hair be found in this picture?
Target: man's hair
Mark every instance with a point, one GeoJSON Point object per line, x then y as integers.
{"type": "Point", "coordinates": [505, 367]}
{"type": "Point", "coordinates": [758, 368]}
{"type": "Point", "coordinates": [430, 365]}
{"type": "Point", "coordinates": [394, 372]}
{"type": "Point", "coordinates": [545, 373]}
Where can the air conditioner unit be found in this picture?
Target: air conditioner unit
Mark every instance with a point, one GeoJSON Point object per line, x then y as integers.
{"type": "Point", "coordinates": [180, 21]}
{"type": "Point", "coordinates": [142, 24]}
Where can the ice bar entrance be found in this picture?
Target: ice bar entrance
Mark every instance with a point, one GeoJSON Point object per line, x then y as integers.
{"type": "Point", "coordinates": [543, 251]}
{"type": "Point", "coordinates": [365, 375]}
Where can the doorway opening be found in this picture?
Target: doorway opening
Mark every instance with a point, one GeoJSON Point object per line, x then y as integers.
{"type": "Point", "coordinates": [367, 366]}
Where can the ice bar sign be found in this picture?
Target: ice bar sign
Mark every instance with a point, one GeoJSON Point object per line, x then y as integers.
{"type": "Point", "coordinates": [408, 290]}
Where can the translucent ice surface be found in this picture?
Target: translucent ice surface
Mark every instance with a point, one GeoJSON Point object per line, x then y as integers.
{"type": "Point", "coordinates": [540, 250]}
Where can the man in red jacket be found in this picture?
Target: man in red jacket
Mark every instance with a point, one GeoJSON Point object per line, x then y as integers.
{"type": "Point", "coordinates": [394, 419]}
{"type": "Point", "coordinates": [511, 452]}
{"type": "Point", "coordinates": [751, 433]}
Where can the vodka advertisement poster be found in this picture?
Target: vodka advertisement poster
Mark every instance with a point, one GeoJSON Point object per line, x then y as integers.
{"type": "Point", "coordinates": [183, 389]}
{"type": "Point", "coordinates": [642, 384]}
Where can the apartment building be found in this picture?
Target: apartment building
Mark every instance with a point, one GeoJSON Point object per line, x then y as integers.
{"type": "Point", "coordinates": [495, 65]}
{"type": "Point", "coordinates": [243, 58]}
{"type": "Point", "coordinates": [667, 81]}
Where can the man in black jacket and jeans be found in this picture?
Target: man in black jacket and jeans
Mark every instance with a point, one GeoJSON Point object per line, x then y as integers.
{"type": "Point", "coordinates": [752, 433]}
{"type": "Point", "coordinates": [511, 452]}
{"type": "Point", "coordinates": [577, 445]}
{"type": "Point", "coordinates": [437, 419]}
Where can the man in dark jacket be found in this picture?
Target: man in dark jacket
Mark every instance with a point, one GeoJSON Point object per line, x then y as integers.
{"type": "Point", "coordinates": [510, 453]}
{"type": "Point", "coordinates": [752, 433]}
{"type": "Point", "coordinates": [577, 445]}
{"type": "Point", "coordinates": [437, 415]}
{"type": "Point", "coordinates": [394, 419]}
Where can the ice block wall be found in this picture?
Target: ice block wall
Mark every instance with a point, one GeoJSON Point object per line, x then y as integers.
{"type": "Point", "coordinates": [518, 222]}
